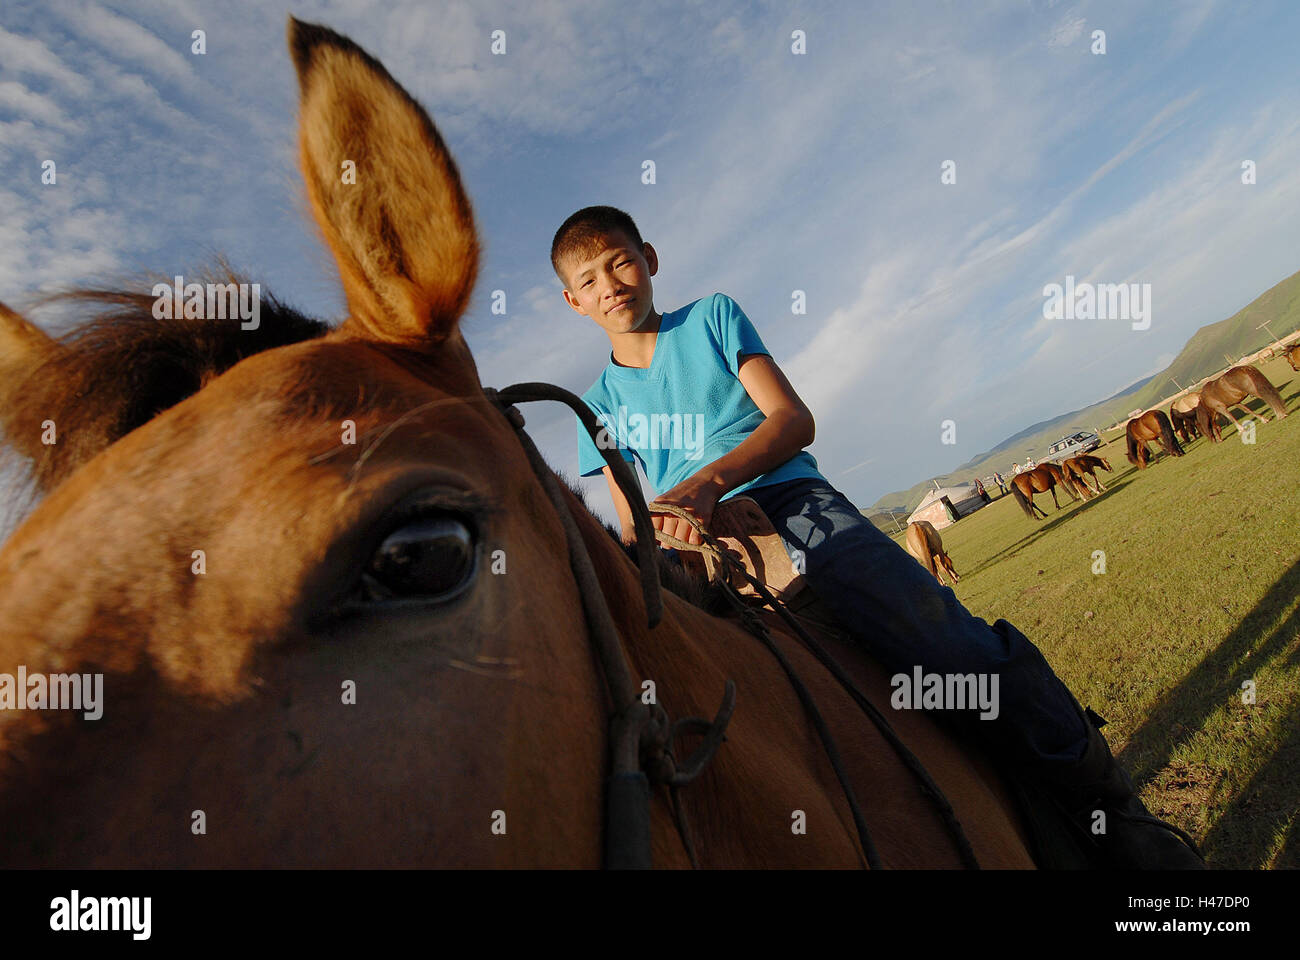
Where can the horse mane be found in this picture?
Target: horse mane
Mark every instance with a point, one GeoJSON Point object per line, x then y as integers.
{"type": "Point", "coordinates": [119, 370]}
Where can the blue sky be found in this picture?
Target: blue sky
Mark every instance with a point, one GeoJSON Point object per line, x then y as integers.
{"type": "Point", "coordinates": [774, 173]}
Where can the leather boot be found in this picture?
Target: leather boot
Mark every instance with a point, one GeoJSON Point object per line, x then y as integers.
{"type": "Point", "coordinates": [1133, 838]}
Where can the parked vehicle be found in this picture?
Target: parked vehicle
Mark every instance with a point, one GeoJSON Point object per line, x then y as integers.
{"type": "Point", "coordinates": [1072, 446]}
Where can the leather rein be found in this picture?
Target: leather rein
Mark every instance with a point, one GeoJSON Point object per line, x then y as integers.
{"type": "Point", "coordinates": [641, 737]}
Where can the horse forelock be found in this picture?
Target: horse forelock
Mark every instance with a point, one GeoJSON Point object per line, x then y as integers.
{"type": "Point", "coordinates": [121, 369]}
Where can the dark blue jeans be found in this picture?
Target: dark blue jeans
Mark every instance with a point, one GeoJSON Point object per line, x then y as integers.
{"type": "Point", "coordinates": [905, 618]}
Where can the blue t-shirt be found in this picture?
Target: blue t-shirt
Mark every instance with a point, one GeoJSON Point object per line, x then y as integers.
{"type": "Point", "coordinates": [688, 408]}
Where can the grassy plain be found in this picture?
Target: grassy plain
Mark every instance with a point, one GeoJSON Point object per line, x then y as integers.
{"type": "Point", "coordinates": [1200, 596]}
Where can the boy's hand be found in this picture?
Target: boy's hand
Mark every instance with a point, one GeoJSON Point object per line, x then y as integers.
{"type": "Point", "coordinates": [698, 495]}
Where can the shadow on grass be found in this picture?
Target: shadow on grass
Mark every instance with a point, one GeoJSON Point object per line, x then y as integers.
{"type": "Point", "coordinates": [1269, 800]}
{"type": "Point", "coordinates": [1264, 807]}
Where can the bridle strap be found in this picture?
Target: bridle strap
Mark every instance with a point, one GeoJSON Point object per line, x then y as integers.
{"type": "Point", "coordinates": [645, 544]}
{"type": "Point", "coordinates": [640, 734]}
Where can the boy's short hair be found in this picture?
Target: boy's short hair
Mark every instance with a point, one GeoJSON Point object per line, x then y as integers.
{"type": "Point", "coordinates": [582, 232]}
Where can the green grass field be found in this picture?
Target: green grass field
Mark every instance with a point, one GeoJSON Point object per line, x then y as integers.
{"type": "Point", "coordinates": [1200, 594]}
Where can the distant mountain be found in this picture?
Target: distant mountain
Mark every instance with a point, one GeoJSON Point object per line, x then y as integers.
{"type": "Point", "coordinates": [1213, 346]}
{"type": "Point", "coordinates": [1057, 425]}
{"type": "Point", "coordinates": [889, 522]}
{"type": "Point", "coordinates": [1205, 354]}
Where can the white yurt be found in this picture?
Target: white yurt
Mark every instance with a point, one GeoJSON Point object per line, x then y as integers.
{"type": "Point", "coordinates": [944, 505]}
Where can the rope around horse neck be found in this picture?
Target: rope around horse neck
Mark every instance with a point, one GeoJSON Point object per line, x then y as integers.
{"type": "Point", "coordinates": [725, 559]}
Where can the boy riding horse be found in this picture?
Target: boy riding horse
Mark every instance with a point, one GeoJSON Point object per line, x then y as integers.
{"type": "Point", "coordinates": [696, 398]}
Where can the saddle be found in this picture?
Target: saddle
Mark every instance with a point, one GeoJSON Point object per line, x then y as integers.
{"type": "Point", "coordinates": [743, 529]}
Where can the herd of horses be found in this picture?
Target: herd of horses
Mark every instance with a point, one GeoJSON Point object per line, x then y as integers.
{"type": "Point", "coordinates": [1192, 415]}
{"type": "Point", "coordinates": [1077, 476]}
{"type": "Point", "coordinates": [1196, 414]}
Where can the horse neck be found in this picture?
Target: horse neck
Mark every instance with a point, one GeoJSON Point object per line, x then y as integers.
{"type": "Point", "coordinates": [617, 575]}
{"type": "Point", "coordinates": [681, 652]}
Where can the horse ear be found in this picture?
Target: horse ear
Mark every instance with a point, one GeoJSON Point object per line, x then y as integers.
{"type": "Point", "coordinates": [23, 347]}
{"type": "Point", "coordinates": [384, 191]}
{"type": "Point", "coordinates": [22, 343]}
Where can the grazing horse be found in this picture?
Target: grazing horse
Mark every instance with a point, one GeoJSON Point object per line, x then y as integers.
{"type": "Point", "coordinates": [1152, 425]}
{"type": "Point", "coordinates": [1042, 479]}
{"type": "Point", "coordinates": [341, 607]}
{"type": "Point", "coordinates": [924, 543]}
{"type": "Point", "coordinates": [1063, 479]}
{"type": "Point", "coordinates": [1081, 470]}
{"type": "Point", "coordinates": [1231, 389]}
{"type": "Point", "coordinates": [1292, 355]}
{"type": "Point", "coordinates": [1182, 416]}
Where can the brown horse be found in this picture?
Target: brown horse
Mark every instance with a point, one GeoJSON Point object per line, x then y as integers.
{"type": "Point", "coordinates": [1182, 416]}
{"type": "Point", "coordinates": [1152, 425]}
{"type": "Point", "coordinates": [924, 543]}
{"type": "Point", "coordinates": [1082, 469]}
{"type": "Point", "coordinates": [1231, 389]}
{"type": "Point", "coordinates": [1292, 355]}
{"type": "Point", "coordinates": [1042, 479]}
{"type": "Point", "coordinates": [320, 652]}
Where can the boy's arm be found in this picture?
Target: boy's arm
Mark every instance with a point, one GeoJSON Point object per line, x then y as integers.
{"type": "Point", "coordinates": [621, 505]}
{"type": "Point", "coordinates": [787, 429]}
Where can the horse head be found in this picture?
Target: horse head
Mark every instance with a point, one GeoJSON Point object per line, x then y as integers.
{"type": "Point", "coordinates": [301, 579]}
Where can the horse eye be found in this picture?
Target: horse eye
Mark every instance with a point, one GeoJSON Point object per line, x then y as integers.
{"type": "Point", "coordinates": [428, 559]}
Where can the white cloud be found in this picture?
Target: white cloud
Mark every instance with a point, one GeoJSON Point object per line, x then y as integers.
{"type": "Point", "coordinates": [129, 40]}
{"type": "Point", "coordinates": [20, 55]}
{"type": "Point", "coordinates": [36, 106]}
{"type": "Point", "coordinates": [1066, 32]}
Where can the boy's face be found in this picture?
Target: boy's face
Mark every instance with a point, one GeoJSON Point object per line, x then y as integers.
{"type": "Point", "coordinates": [612, 286]}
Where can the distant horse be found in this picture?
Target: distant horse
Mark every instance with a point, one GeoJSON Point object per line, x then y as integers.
{"type": "Point", "coordinates": [1229, 390]}
{"type": "Point", "coordinates": [1064, 479]}
{"type": "Point", "coordinates": [284, 552]}
{"type": "Point", "coordinates": [924, 543]}
{"type": "Point", "coordinates": [1081, 470]}
{"type": "Point", "coordinates": [1182, 414]}
{"type": "Point", "coordinates": [1292, 355]}
{"type": "Point", "coordinates": [1152, 425]}
{"type": "Point", "coordinates": [1042, 479]}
